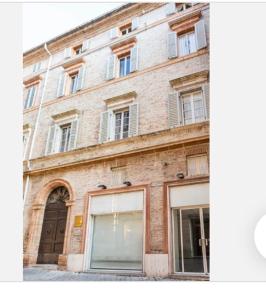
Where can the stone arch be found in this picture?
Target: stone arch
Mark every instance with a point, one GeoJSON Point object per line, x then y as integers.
{"type": "Point", "coordinates": [38, 208]}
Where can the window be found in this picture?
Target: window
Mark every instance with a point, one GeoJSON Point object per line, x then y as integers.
{"type": "Point", "coordinates": [193, 107]}
{"type": "Point", "coordinates": [187, 44]}
{"type": "Point", "coordinates": [183, 6]}
{"type": "Point", "coordinates": [121, 124]}
{"type": "Point", "coordinates": [73, 83]}
{"type": "Point", "coordinates": [126, 30]}
{"type": "Point", "coordinates": [77, 50]}
{"type": "Point", "coordinates": [197, 165]}
{"type": "Point", "coordinates": [65, 136]}
{"type": "Point", "coordinates": [124, 66]}
{"type": "Point", "coordinates": [30, 96]}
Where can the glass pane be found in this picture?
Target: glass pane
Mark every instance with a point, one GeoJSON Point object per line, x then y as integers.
{"type": "Point", "coordinates": [191, 236]}
{"type": "Point", "coordinates": [122, 67]}
{"type": "Point", "coordinates": [177, 241]}
{"type": "Point", "coordinates": [182, 42]}
{"type": "Point", "coordinates": [118, 117]}
{"type": "Point", "coordinates": [192, 43]}
{"type": "Point", "coordinates": [128, 65]}
{"type": "Point", "coordinates": [206, 221]}
{"type": "Point", "coordinates": [117, 241]}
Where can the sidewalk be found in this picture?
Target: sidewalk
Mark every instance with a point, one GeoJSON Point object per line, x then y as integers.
{"type": "Point", "coordinates": [38, 274]}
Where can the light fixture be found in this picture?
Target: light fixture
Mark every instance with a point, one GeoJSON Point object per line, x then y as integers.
{"type": "Point", "coordinates": [180, 175]}
{"type": "Point", "coordinates": [102, 186]}
{"type": "Point", "coordinates": [128, 183]}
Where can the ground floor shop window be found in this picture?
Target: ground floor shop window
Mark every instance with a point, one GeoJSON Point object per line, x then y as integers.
{"type": "Point", "coordinates": [191, 239]}
{"type": "Point", "coordinates": [117, 241]}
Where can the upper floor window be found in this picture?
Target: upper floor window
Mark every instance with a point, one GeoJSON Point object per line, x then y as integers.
{"type": "Point", "coordinates": [193, 107]}
{"type": "Point", "coordinates": [65, 137]}
{"type": "Point", "coordinates": [73, 83]}
{"type": "Point", "coordinates": [197, 165]}
{"type": "Point", "coordinates": [124, 65]}
{"type": "Point", "coordinates": [31, 94]}
{"type": "Point", "coordinates": [125, 29]}
{"type": "Point", "coordinates": [77, 50]}
{"type": "Point", "coordinates": [121, 124]}
{"type": "Point", "coordinates": [62, 134]}
{"type": "Point", "coordinates": [187, 43]}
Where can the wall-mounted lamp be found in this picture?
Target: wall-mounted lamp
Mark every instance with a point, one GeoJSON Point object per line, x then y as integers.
{"type": "Point", "coordinates": [102, 186]}
{"type": "Point", "coordinates": [180, 175]}
{"type": "Point", "coordinates": [128, 183]}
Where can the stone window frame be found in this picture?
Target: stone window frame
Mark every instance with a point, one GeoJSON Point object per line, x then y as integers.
{"type": "Point", "coordinates": [187, 84]}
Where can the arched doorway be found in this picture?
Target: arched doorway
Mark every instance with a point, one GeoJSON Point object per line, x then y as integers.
{"type": "Point", "coordinates": [54, 226]}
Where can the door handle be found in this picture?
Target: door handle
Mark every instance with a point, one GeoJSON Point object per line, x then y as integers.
{"type": "Point", "coordinates": [200, 242]}
{"type": "Point", "coordinates": [206, 242]}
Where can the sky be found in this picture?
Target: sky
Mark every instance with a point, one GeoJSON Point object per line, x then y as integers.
{"type": "Point", "coordinates": [44, 21]}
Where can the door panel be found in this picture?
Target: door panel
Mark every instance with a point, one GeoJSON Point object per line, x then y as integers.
{"type": "Point", "coordinates": [191, 240]}
{"type": "Point", "coordinates": [53, 230]}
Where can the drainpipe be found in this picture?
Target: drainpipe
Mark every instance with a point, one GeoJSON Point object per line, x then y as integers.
{"type": "Point", "coordinates": [37, 123]}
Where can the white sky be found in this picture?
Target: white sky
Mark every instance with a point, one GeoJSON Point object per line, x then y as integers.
{"type": "Point", "coordinates": [44, 21]}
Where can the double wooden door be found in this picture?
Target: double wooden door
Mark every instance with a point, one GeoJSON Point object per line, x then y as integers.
{"type": "Point", "coordinates": [53, 232]}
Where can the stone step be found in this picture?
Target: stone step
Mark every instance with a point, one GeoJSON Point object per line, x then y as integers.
{"type": "Point", "coordinates": [53, 267]}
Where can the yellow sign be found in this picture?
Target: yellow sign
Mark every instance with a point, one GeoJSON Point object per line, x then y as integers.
{"type": "Point", "coordinates": [78, 221]}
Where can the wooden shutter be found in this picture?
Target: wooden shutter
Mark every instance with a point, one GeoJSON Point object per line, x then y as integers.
{"type": "Point", "coordinates": [104, 127]}
{"type": "Point", "coordinates": [85, 45]}
{"type": "Point", "coordinates": [200, 35]}
{"type": "Point", "coordinates": [50, 140]}
{"type": "Point", "coordinates": [110, 69]}
{"type": "Point", "coordinates": [67, 53]}
{"type": "Point", "coordinates": [73, 135]}
{"type": "Point", "coordinates": [134, 59]}
{"type": "Point", "coordinates": [114, 33]}
{"type": "Point", "coordinates": [170, 8]}
{"type": "Point", "coordinates": [174, 110]}
{"type": "Point", "coordinates": [80, 80]}
{"type": "Point", "coordinates": [61, 85]}
{"type": "Point", "coordinates": [206, 96]}
{"type": "Point", "coordinates": [172, 45]}
{"type": "Point", "coordinates": [135, 23]}
{"type": "Point", "coordinates": [133, 119]}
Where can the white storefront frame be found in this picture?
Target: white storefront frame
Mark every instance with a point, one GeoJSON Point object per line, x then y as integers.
{"type": "Point", "coordinates": [90, 230]}
{"type": "Point", "coordinates": [171, 258]}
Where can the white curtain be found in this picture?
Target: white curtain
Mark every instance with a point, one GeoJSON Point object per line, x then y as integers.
{"type": "Point", "coordinates": [117, 241]}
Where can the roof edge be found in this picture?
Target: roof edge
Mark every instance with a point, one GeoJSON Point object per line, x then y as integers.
{"type": "Point", "coordinates": [80, 27]}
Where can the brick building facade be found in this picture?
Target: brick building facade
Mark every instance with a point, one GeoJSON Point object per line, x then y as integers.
{"type": "Point", "coordinates": [116, 144]}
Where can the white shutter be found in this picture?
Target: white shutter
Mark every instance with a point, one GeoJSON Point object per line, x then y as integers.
{"type": "Point", "coordinates": [200, 35]}
{"type": "Point", "coordinates": [57, 139]}
{"type": "Point", "coordinates": [133, 119]}
{"type": "Point", "coordinates": [172, 45]}
{"type": "Point", "coordinates": [61, 85]}
{"type": "Point", "coordinates": [104, 127]}
{"type": "Point", "coordinates": [81, 77]}
{"type": "Point", "coordinates": [170, 8]}
{"type": "Point", "coordinates": [114, 33]}
{"type": "Point", "coordinates": [134, 59]}
{"type": "Point", "coordinates": [67, 53]}
{"type": "Point", "coordinates": [73, 135]}
{"type": "Point", "coordinates": [50, 140]}
{"type": "Point", "coordinates": [206, 96]}
{"type": "Point", "coordinates": [85, 45]}
{"type": "Point", "coordinates": [110, 69]}
{"type": "Point", "coordinates": [135, 23]}
{"type": "Point", "coordinates": [174, 110]}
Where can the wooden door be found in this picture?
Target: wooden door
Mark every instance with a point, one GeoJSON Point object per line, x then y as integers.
{"type": "Point", "coordinates": [53, 229]}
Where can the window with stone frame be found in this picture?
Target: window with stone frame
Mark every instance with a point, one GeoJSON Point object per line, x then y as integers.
{"type": "Point", "coordinates": [126, 29]}
{"type": "Point", "coordinates": [123, 60]}
{"type": "Point", "coordinates": [187, 43]}
{"type": "Point", "coordinates": [121, 123]}
{"type": "Point", "coordinates": [62, 134]}
{"type": "Point", "coordinates": [31, 96]}
{"type": "Point", "coordinates": [197, 165]}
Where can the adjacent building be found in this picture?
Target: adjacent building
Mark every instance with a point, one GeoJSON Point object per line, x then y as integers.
{"type": "Point", "coordinates": [116, 144]}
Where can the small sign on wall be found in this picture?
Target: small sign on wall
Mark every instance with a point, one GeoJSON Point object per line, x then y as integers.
{"type": "Point", "coordinates": [78, 221]}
